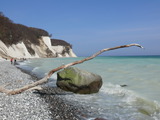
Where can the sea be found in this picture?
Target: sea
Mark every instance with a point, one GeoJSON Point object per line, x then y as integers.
{"type": "Point", "coordinates": [130, 90]}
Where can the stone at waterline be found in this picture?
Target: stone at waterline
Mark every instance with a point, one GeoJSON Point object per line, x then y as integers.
{"type": "Point", "coordinates": [78, 81]}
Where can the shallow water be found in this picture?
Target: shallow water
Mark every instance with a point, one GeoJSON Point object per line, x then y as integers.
{"type": "Point", "coordinates": [139, 100]}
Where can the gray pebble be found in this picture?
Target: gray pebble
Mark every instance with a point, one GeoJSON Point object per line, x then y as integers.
{"type": "Point", "coordinates": [51, 105]}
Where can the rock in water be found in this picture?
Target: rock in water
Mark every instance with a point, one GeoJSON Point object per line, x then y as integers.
{"type": "Point", "coordinates": [78, 81]}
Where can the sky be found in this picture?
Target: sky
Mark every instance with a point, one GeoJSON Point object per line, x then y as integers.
{"type": "Point", "coordinates": [92, 25]}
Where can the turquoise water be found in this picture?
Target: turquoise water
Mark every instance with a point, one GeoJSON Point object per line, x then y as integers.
{"type": "Point", "coordinates": [139, 100]}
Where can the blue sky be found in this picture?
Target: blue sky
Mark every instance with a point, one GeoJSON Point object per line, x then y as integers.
{"type": "Point", "coordinates": [92, 25]}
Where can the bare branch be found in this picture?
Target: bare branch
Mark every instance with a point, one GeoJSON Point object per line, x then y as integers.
{"type": "Point", "coordinates": [45, 79]}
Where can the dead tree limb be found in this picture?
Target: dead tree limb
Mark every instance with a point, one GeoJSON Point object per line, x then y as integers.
{"type": "Point", "coordinates": [45, 79]}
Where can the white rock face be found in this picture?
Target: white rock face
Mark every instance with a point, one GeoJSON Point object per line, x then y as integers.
{"type": "Point", "coordinates": [47, 41]}
{"type": "Point", "coordinates": [43, 50]}
{"type": "Point", "coordinates": [18, 51]}
{"type": "Point", "coordinates": [58, 50]}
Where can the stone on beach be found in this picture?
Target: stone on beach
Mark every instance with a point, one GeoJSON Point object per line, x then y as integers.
{"type": "Point", "coordinates": [78, 81]}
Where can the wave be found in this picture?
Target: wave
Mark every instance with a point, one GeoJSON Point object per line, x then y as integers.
{"type": "Point", "coordinates": [35, 69]}
{"type": "Point", "coordinates": [115, 102]}
{"type": "Point", "coordinates": [132, 100]}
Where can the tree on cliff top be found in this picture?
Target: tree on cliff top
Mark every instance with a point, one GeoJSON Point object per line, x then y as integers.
{"type": "Point", "coordinates": [56, 42]}
{"type": "Point", "coordinates": [11, 33]}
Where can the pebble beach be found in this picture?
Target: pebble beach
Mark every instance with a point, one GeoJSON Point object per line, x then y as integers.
{"type": "Point", "coordinates": [47, 104]}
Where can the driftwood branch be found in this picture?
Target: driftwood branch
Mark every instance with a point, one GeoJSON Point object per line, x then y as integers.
{"type": "Point", "coordinates": [45, 79]}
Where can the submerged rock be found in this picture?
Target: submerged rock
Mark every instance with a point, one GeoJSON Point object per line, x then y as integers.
{"type": "Point", "coordinates": [123, 85]}
{"type": "Point", "coordinates": [78, 81]}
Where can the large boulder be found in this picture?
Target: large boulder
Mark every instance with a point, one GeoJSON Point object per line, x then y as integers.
{"type": "Point", "coordinates": [78, 81]}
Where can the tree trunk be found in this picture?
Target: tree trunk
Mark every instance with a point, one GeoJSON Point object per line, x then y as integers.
{"type": "Point", "coordinates": [45, 79]}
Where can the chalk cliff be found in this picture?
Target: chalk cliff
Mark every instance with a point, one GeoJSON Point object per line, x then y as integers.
{"type": "Point", "coordinates": [44, 49]}
{"type": "Point", "coordinates": [20, 41]}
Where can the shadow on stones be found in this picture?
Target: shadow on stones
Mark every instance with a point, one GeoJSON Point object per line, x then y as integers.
{"type": "Point", "coordinates": [52, 91]}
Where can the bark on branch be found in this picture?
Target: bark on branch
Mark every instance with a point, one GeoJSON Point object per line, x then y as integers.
{"type": "Point", "coordinates": [45, 79]}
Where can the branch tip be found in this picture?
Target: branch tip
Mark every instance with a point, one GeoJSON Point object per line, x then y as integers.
{"type": "Point", "coordinates": [138, 45]}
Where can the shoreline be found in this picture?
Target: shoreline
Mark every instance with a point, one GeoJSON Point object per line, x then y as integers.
{"type": "Point", "coordinates": [48, 104]}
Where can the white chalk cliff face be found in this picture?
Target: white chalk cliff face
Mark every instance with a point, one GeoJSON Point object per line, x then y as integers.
{"type": "Point", "coordinates": [45, 49]}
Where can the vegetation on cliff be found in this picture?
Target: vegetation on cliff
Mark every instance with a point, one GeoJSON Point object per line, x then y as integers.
{"type": "Point", "coordinates": [12, 33]}
{"type": "Point", "coordinates": [56, 42]}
